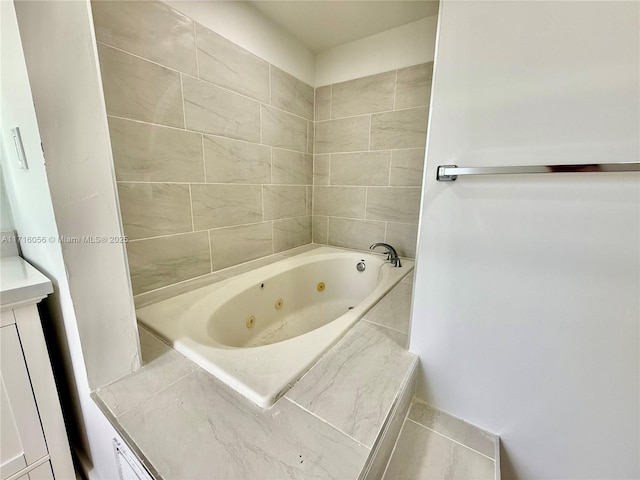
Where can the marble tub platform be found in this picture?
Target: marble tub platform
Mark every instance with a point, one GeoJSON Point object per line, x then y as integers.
{"type": "Point", "coordinates": [184, 423]}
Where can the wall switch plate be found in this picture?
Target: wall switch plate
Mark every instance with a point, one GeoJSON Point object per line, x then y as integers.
{"type": "Point", "coordinates": [17, 141]}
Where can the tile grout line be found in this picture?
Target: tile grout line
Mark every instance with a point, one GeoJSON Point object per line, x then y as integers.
{"type": "Point", "coordinates": [384, 326]}
{"type": "Point", "coordinates": [451, 439]}
{"type": "Point", "coordinates": [395, 445]}
{"type": "Point", "coordinates": [193, 226]}
{"type": "Point", "coordinates": [210, 251]}
{"type": "Point", "coordinates": [395, 91]}
{"type": "Point", "coordinates": [184, 114]}
{"type": "Point", "coordinates": [204, 159]}
{"type": "Point", "coordinates": [195, 38]}
{"type": "Point", "coordinates": [324, 421]}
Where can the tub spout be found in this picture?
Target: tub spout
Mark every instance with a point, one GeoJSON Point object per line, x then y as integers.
{"type": "Point", "coordinates": [392, 255]}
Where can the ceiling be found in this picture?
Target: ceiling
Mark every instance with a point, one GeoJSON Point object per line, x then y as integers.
{"type": "Point", "coordinates": [325, 24]}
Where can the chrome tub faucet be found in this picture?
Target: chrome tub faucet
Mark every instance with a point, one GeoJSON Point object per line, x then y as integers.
{"type": "Point", "coordinates": [392, 255]}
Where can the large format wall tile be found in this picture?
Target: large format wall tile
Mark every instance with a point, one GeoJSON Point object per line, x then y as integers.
{"type": "Point", "coordinates": [395, 204]}
{"type": "Point", "coordinates": [363, 168]}
{"type": "Point", "coordinates": [291, 168]}
{"type": "Point", "coordinates": [135, 88]}
{"type": "Point", "coordinates": [363, 95]}
{"type": "Point", "coordinates": [323, 103]}
{"type": "Point", "coordinates": [234, 161]}
{"type": "Point", "coordinates": [284, 130]}
{"type": "Point", "coordinates": [414, 86]}
{"type": "Point", "coordinates": [358, 234]}
{"type": "Point", "coordinates": [407, 167]}
{"type": "Point", "coordinates": [152, 209]}
{"type": "Point", "coordinates": [291, 94]}
{"type": "Point", "coordinates": [401, 129]}
{"type": "Point", "coordinates": [225, 205]}
{"type": "Point", "coordinates": [321, 169]}
{"type": "Point", "coordinates": [394, 310]}
{"type": "Point", "coordinates": [150, 153]}
{"type": "Point", "coordinates": [158, 262]}
{"type": "Point", "coordinates": [339, 201]}
{"type": "Point", "coordinates": [233, 245]}
{"type": "Point", "coordinates": [291, 232]}
{"type": "Point", "coordinates": [150, 29]}
{"type": "Point", "coordinates": [403, 236]}
{"type": "Point", "coordinates": [344, 135]}
{"type": "Point", "coordinates": [226, 64]}
{"type": "Point", "coordinates": [320, 229]}
{"type": "Point", "coordinates": [282, 201]}
{"type": "Point", "coordinates": [214, 110]}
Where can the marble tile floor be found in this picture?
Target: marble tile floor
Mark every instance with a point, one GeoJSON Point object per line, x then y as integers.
{"type": "Point", "coordinates": [184, 423]}
{"type": "Point", "coordinates": [434, 445]}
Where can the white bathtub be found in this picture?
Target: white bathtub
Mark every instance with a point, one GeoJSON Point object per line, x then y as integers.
{"type": "Point", "coordinates": [261, 331]}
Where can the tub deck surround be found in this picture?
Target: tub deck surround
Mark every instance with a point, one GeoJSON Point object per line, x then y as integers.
{"type": "Point", "coordinates": [436, 445]}
{"type": "Point", "coordinates": [184, 423]}
{"type": "Point", "coordinates": [300, 307]}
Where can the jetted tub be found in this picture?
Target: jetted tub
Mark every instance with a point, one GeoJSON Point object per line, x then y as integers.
{"type": "Point", "coordinates": [261, 331]}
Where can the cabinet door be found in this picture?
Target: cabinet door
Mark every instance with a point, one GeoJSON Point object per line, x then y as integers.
{"type": "Point", "coordinates": [21, 431]}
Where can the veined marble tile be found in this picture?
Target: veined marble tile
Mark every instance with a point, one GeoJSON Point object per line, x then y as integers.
{"type": "Point", "coordinates": [233, 245]}
{"type": "Point", "coordinates": [219, 431]}
{"type": "Point", "coordinates": [291, 94]}
{"type": "Point", "coordinates": [343, 135]}
{"type": "Point", "coordinates": [281, 129]}
{"type": "Point", "coordinates": [395, 204]}
{"type": "Point", "coordinates": [414, 86]}
{"type": "Point", "coordinates": [400, 129]}
{"type": "Point", "coordinates": [407, 167]}
{"type": "Point", "coordinates": [225, 205]}
{"type": "Point", "coordinates": [234, 161]}
{"type": "Point", "coordinates": [358, 234]}
{"type": "Point", "coordinates": [158, 262]}
{"type": "Point", "coordinates": [283, 201]}
{"type": "Point", "coordinates": [339, 201]}
{"type": "Point", "coordinates": [144, 299]}
{"type": "Point", "coordinates": [385, 443]}
{"type": "Point", "coordinates": [321, 169]}
{"type": "Point", "coordinates": [214, 110]}
{"type": "Point", "coordinates": [367, 363]}
{"type": "Point", "coordinates": [152, 30]}
{"type": "Point", "coordinates": [320, 229]}
{"type": "Point", "coordinates": [152, 209]}
{"type": "Point", "coordinates": [403, 236]}
{"type": "Point", "coordinates": [163, 366]}
{"type": "Point", "coordinates": [226, 64]}
{"type": "Point", "coordinates": [363, 95]}
{"type": "Point", "coordinates": [311, 136]}
{"type": "Point", "coordinates": [141, 90]}
{"type": "Point", "coordinates": [362, 168]}
{"type": "Point", "coordinates": [323, 103]}
{"type": "Point", "coordinates": [292, 168]}
{"type": "Point", "coordinates": [421, 453]}
{"type": "Point", "coordinates": [394, 310]}
{"type": "Point", "coordinates": [150, 153]}
{"type": "Point", "coordinates": [291, 232]}
{"type": "Point", "coordinates": [452, 427]}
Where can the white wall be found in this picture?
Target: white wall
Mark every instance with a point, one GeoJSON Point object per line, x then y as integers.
{"type": "Point", "coordinates": [33, 213]}
{"type": "Point", "coordinates": [527, 298]}
{"type": "Point", "coordinates": [400, 47]}
{"type": "Point", "coordinates": [6, 220]}
{"type": "Point", "coordinates": [61, 58]}
{"type": "Point", "coordinates": [247, 27]}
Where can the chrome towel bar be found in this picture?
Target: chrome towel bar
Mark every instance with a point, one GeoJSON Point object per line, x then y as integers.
{"type": "Point", "coordinates": [448, 173]}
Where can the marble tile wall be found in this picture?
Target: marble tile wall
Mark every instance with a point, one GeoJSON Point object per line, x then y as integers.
{"type": "Point", "coordinates": [212, 145]}
{"type": "Point", "coordinates": [368, 159]}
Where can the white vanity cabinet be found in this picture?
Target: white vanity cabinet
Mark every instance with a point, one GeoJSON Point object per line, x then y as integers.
{"type": "Point", "coordinates": [33, 439]}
